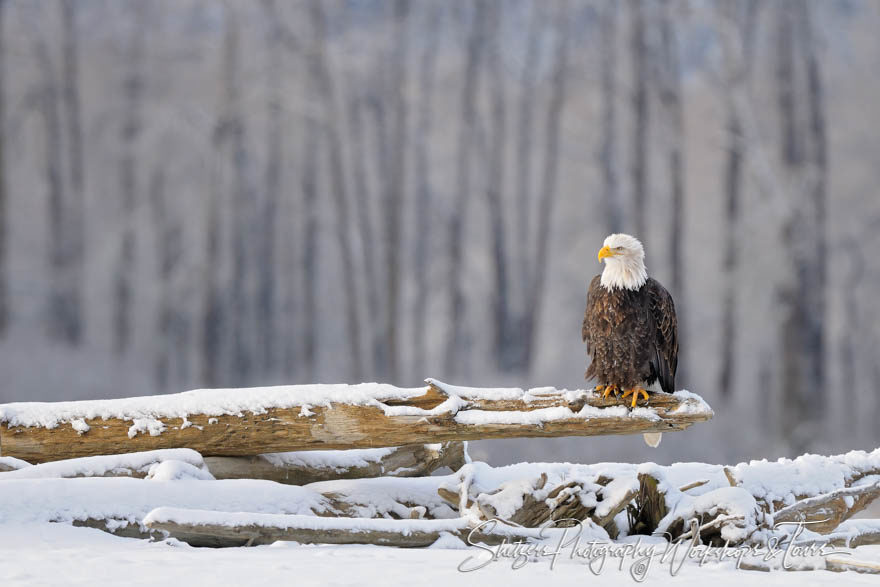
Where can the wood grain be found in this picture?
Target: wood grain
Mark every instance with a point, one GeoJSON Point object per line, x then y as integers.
{"type": "Point", "coordinates": [343, 426]}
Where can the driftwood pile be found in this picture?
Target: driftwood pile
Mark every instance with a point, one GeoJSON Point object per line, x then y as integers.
{"type": "Point", "coordinates": [388, 495]}
{"type": "Point", "coordinates": [315, 437]}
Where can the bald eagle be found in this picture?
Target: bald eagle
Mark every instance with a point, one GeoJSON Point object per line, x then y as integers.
{"type": "Point", "coordinates": [629, 324]}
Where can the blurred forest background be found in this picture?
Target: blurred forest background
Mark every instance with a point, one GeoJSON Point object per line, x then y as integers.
{"type": "Point", "coordinates": [197, 193]}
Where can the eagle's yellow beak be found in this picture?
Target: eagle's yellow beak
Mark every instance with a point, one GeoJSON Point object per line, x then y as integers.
{"type": "Point", "coordinates": [605, 252]}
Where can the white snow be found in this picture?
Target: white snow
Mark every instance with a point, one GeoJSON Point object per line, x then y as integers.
{"type": "Point", "coordinates": [150, 425]}
{"type": "Point", "coordinates": [176, 471]}
{"type": "Point", "coordinates": [48, 554]}
{"type": "Point", "coordinates": [181, 491]}
{"type": "Point", "coordinates": [80, 426]}
{"type": "Point", "coordinates": [136, 462]}
{"type": "Point", "coordinates": [209, 402]}
{"type": "Point", "coordinates": [12, 463]}
{"type": "Point", "coordinates": [65, 500]}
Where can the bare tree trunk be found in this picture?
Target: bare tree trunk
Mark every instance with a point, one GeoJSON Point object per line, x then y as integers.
{"type": "Point", "coordinates": [76, 151]}
{"type": "Point", "coordinates": [607, 152]}
{"type": "Point", "coordinates": [213, 319]}
{"type": "Point", "coordinates": [549, 176]}
{"type": "Point", "coordinates": [266, 310]}
{"type": "Point", "coordinates": [641, 120]}
{"type": "Point", "coordinates": [321, 76]}
{"type": "Point", "coordinates": [231, 136]}
{"type": "Point", "coordinates": [456, 354]}
{"type": "Point", "coordinates": [504, 344]}
{"type": "Point", "coordinates": [396, 183]}
{"type": "Point", "coordinates": [805, 158]}
{"type": "Point", "coordinates": [378, 111]}
{"type": "Point", "coordinates": [422, 218]}
{"type": "Point", "coordinates": [64, 302]}
{"type": "Point", "coordinates": [364, 226]}
{"type": "Point", "coordinates": [130, 133]}
{"type": "Point", "coordinates": [737, 51]}
{"type": "Point", "coordinates": [815, 285]}
{"type": "Point", "coordinates": [671, 101]}
{"type": "Point", "coordinates": [524, 147]}
{"type": "Point", "coordinates": [172, 326]}
{"type": "Point", "coordinates": [4, 278]}
{"type": "Point", "coordinates": [309, 255]}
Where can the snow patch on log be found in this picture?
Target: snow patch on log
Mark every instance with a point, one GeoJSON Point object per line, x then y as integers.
{"type": "Point", "coordinates": [12, 464]}
{"type": "Point", "coordinates": [136, 464]}
{"type": "Point", "coordinates": [210, 402]}
{"type": "Point", "coordinates": [177, 471]}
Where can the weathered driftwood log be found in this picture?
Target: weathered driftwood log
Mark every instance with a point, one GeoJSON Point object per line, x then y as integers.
{"type": "Point", "coordinates": [245, 422]}
{"type": "Point", "coordinates": [824, 513]}
{"type": "Point", "coordinates": [560, 506]}
{"type": "Point", "coordinates": [217, 529]}
{"type": "Point", "coordinates": [414, 460]}
{"type": "Point", "coordinates": [650, 506]}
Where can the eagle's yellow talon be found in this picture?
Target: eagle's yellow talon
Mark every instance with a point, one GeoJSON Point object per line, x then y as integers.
{"type": "Point", "coordinates": [635, 392]}
{"type": "Point", "coordinates": [607, 390]}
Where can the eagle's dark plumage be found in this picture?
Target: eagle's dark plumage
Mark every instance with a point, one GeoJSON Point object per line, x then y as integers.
{"type": "Point", "coordinates": [629, 325]}
{"type": "Point", "coordinates": [631, 335]}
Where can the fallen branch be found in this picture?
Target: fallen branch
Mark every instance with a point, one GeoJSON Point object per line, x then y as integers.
{"type": "Point", "coordinates": [415, 460]}
{"type": "Point", "coordinates": [136, 465]}
{"type": "Point", "coordinates": [824, 513]}
{"type": "Point", "coordinates": [217, 529]}
{"type": "Point", "coordinates": [245, 422]}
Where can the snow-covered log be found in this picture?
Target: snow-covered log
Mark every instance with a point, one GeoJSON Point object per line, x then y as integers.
{"type": "Point", "coordinates": [138, 464]}
{"type": "Point", "coordinates": [823, 513]}
{"type": "Point", "coordinates": [12, 464]}
{"type": "Point", "coordinates": [218, 529]}
{"type": "Point", "coordinates": [246, 422]}
{"type": "Point", "coordinates": [301, 468]}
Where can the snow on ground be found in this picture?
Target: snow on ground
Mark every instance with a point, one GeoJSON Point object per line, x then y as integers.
{"type": "Point", "coordinates": [38, 545]}
{"type": "Point", "coordinates": [53, 554]}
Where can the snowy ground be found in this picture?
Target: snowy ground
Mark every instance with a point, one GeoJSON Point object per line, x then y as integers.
{"type": "Point", "coordinates": [52, 554]}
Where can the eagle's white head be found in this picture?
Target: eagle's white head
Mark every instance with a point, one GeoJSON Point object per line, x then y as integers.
{"type": "Point", "coordinates": [624, 262]}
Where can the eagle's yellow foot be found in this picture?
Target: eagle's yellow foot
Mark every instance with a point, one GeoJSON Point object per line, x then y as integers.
{"type": "Point", "coordinates": [635, 392]}
{"type": "Point", "coordinates": [606, 390]}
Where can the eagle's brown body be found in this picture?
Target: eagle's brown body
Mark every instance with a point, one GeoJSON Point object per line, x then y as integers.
{"type": "Point", "coordinates": [631, 335]}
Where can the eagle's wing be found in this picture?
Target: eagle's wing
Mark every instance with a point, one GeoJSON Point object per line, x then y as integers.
{"type": "Point", "coordinates": [665, 360]}
{"type": "Point", "coordinates": [591, 300]}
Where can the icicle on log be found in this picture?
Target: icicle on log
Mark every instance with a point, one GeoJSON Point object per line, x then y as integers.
{"type": "Point", "coordinates": [246, 422]}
